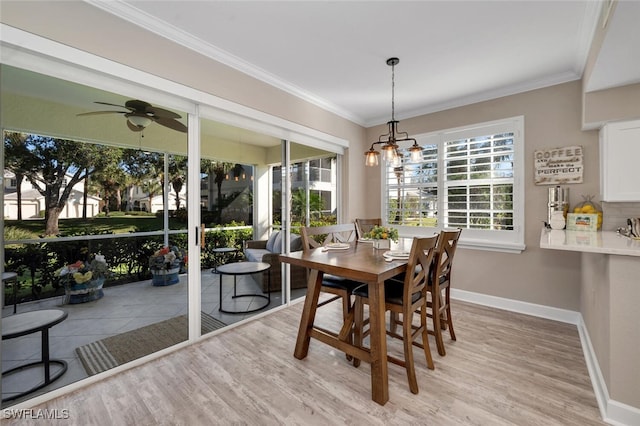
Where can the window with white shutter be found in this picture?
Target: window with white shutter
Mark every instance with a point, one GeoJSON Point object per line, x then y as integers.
{"type": "Point", "coordinates": [469, 178]}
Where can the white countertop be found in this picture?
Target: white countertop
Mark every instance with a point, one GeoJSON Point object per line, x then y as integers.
{"type": "Point", "coordinates": [592, 242]}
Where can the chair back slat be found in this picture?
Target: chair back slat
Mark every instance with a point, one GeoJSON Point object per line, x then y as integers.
{"type": "Point", "coordinates": [363, 226]}
{"type": "Point", "coordinates": [317, 236]}
{"type": "Point", "coordinates": [421, 257]}
{"type": "Point", "coordinates": [447, 245]}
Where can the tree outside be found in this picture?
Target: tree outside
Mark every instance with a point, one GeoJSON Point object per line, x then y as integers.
{"type": "Point", "coordinates": [54, 166]}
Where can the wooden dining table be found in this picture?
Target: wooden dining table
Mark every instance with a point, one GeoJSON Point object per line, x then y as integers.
{"type": "Point", "coordinates": [360, 262]}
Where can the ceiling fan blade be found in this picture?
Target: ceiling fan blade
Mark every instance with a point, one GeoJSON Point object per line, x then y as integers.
{"type": "Point", "coordinates": [101, 112]}
{"type": "Point", "coordinates": [133, 127]}
{"type": "Point", "coordinates": [161, 112]}
{"type": "Point", "coordinates": [137, 105]}
{"type": "Point", "coordinates": [139, 109]}
{"type": "Point", "coordinates": [107, 103]}
{"type": "Point", "coordinates": [171, 123]}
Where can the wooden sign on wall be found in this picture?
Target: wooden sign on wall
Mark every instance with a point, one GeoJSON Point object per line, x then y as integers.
{"type": "Point", "coordinates": [555, 166]}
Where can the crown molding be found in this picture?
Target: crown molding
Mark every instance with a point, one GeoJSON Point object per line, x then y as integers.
{"type": "Point", "coordinates": [481, 97]}
{"type": "Point", "coordinates": [586, 33]}
{"type": "Point", "coordinates": [163, 29]}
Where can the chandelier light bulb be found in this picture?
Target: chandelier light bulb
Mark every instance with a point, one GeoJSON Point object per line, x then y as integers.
{"type": "Point", "coordinates": [396, 160]}
{"type": "Point", "coordinates": [371, 158]}
{"type": "Point", "coordinates": [389, 152]}
{"type": "Point", "coordinates": [416, 153]}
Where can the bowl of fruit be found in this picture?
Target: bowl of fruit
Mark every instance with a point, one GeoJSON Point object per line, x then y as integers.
{"type": "Point", "coordinates": [588, 206]}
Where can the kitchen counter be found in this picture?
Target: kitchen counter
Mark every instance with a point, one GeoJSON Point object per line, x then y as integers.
{"type": "Point", "coordinates": [609, 295]}
{"type": "Point", "coordinates": [605, 242]}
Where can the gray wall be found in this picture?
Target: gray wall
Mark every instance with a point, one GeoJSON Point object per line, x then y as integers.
{"type": "Point", "coordinates": [552, 119]}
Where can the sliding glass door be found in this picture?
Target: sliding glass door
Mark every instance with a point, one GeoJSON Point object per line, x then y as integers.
{"type": "Point", "coordinates": [240, 277]}
{"type": "Point", "coordinates": [109, 193]}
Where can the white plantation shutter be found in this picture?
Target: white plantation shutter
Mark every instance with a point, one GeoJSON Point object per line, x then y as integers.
{"type": "Point", "coordinates": [412, 191]}
{"type": "Point", "coordinates": [478, 182]}
{"type": "Point", "coordinates": [470, 178]}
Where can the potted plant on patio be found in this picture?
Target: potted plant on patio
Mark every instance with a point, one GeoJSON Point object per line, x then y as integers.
{"type": "Point", "coordinates": [165, 264]}
{"type": "Point", "coordinates": [83, 281]}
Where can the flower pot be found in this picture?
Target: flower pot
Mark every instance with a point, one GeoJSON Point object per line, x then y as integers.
{"type": "Point", "coordinates": [84, 292]}
{"type": "Point", "coordinates": [162, 277]}
{"type": "Point", "coordinates": [382, 244]}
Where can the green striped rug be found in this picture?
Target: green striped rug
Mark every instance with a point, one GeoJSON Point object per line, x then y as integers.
{"type": "Point", "coordinates": [116, 350]}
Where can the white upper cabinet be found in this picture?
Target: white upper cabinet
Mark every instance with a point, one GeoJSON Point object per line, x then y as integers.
{"type": "Point", "coordinates": [620, 161]}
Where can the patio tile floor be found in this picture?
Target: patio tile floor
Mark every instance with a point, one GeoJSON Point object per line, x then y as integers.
{"type": "Point", "coordinates": [123, 308]}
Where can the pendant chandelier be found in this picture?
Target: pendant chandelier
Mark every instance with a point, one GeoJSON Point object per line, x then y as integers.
{"type": "Point", "coordinates": [389, 141]}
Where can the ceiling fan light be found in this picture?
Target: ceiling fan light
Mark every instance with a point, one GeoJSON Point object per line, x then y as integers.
{"type": "Point", "coordinates": [139, 120]}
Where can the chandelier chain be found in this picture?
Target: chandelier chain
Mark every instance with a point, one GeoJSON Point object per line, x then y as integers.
{"type": "Point", "coordinates": [393, 90]}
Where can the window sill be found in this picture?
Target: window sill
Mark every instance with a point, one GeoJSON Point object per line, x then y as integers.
{"type": "Point", "coordinates": [472, 240]}
{"type": "Point", "coordinates": [502, 247]}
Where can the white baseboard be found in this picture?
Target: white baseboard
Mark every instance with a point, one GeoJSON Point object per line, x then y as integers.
{"type": "Point", "coordinates": [597, 379]}
{"type": "Point", "coordinates": [612, 412]}
{"type": "Point", "coordinates": [562, 315]}
{"type": "Point", "coordinates": [622, 414]}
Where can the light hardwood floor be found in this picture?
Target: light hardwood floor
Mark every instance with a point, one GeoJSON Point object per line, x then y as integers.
{"type": "Point", "coordinates": [505, 369]}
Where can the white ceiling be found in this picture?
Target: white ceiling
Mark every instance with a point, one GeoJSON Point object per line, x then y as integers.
{"type": "Point", "coordinates": [451, 53]}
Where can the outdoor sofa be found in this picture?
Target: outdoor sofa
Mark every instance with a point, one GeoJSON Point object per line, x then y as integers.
{"type": "Point", "coordinates": [267, 251]}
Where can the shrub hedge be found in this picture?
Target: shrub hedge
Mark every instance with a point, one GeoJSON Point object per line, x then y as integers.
{"type": "Point", "coordinates": [127, 257]}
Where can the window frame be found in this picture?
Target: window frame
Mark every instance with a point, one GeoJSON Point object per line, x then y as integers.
{"type": "Point", "coordinates": [511, 241]}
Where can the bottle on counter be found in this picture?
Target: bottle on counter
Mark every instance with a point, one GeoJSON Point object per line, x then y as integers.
{"type": "Point", "coordinates": [557, 220]}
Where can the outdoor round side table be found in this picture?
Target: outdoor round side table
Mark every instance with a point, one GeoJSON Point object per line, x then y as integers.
{"type": "Point", "coordinates": [13, 277]}
{"type": "Point", "coordinates": [244, 268]}
{"type": "Point", "coordinates": [19, 325]}
{"type": "Point", "coordinates": [219, 253]}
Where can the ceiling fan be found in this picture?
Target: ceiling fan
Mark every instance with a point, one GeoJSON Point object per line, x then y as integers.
{"type": "Point", "coordinates": [140, 114]}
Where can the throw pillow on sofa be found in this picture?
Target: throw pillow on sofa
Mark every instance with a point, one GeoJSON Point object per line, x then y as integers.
{"type": "Point", "coordinates": [295, 243]}
{"type": "Point", "coordinates": [272, 241]}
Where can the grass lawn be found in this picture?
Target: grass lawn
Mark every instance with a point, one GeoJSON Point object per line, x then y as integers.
{"type": "Point", "coordinates": [117, 224]}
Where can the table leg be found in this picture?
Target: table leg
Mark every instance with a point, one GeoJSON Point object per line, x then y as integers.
{"type": "Point", "coordinates": [378, 341]}
{"type": "Point", "coordinates": [234, 286]}
{"type": "Point", "coordinates": [308, 314]}
{"type": "Point", "coordinates": [220, 282]}
{"type": "Point", "coordinates": [217, 261]}
{"type": "Point", "coordinates": [269, 286]}
{"type": "Point", "coordinates": [15, 296]}
{"type": "Point", "coordinates": [45, 356]}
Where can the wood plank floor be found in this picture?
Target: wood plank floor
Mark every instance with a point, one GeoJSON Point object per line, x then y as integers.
{"type": "Point", "coordinates": [505, 369]}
